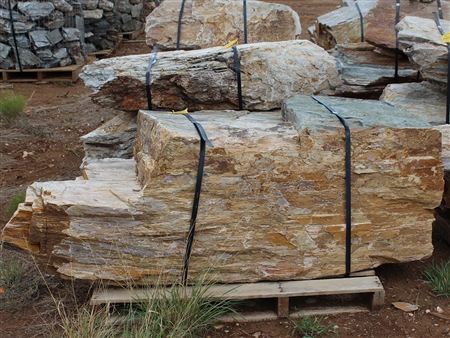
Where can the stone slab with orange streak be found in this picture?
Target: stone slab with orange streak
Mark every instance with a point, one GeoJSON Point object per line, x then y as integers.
{"type": "Point", "coordinates": [272, 204]}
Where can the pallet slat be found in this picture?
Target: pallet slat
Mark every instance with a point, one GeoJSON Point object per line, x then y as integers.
{"type": "Point", "coordinates": [69, 73]}
{"type": "Point", "coordinates": [282, 292]}
{"type": "Point", "coordinates": [254, 290]}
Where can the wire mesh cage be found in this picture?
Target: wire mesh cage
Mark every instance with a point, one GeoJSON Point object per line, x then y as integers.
{"type": "Point", "coordinates": [41, 34]}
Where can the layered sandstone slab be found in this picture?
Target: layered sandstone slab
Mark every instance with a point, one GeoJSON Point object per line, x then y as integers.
{"type": "Point", "coordinates": [272, 203]}
{"type": "Point", "coordinates": [424, 47]}
{"type": "Point", "coordinates": [209, 23]}
{"type": "Point", "coordinates": [365, 72]}
{"type": "Point", "coordinates": [381, 19]}
{"type": "Point", "coordinates": [342, 25]}
{"type": "Point", "coordinates": [207, 79]}
{"type": "Point", "coordinates": [422, 100]}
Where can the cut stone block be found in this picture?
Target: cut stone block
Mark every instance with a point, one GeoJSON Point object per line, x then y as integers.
{"type": "Point", "coordinates": [272, 205]}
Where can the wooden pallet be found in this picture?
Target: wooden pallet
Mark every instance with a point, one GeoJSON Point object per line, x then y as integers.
{"type": "Point", "coordinates": [277, 299]}
{"type": "Point", "coordinates": [132, 35]}
{"type": "Point", "coordinates": [69, 73]}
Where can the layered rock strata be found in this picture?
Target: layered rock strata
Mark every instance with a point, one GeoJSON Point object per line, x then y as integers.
{"type": "Point", "coordinates": [272, 204]}
{"type": "Point", "coordinates": [207, 23]}
{"type": "Point", "coordinates": [365, 72]}
{"type": "Point", "coordinates": [422, 43]}
{"type": "Point", "coordinates": [342, 25]}
{"type": "Point", "coordinates": [422, 100]}
{"type": "Point", "coordinates": [207, 79]}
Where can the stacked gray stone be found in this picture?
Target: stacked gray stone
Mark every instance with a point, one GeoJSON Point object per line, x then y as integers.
{"type": "Point", "coordinates": [48, 34]}
{"type": "Point", "coordinates": [106, 19]}
{"type": "Point", "coordinates": [58, 33]}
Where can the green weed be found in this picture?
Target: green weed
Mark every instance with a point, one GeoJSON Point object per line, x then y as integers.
{"type": "Point", "coordinates": [11, 105]}
{"type": "Point", "coordinates": [19, 282]}
{"type": "Point", "coordinates": [167, 312]}
{"type": "Point", "coordinates": [311, 327]}
{"type": "Point", "coordinates": [438, 276]}
{"type": "Point", "coordinates": [14, 203]}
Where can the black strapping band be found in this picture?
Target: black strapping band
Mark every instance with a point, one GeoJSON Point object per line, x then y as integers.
{"type": "Point", "coordinates": [201, 162]}
{"type": "Point", "coordinates": [441, 30]}
{"type": "Point", "coordinates": [237, 62]}
{"type": "Point", "coordinates": [14, 35]}
{"type": "Point", "coordinates": [147, 76]}
{"type": "Point", "coordinates": [245, 21]}
{"type": "Point", "coordinates": [397, 19]}
{"type": "Point", "coordinates": [348, 188]}
{"type": "Point", "coordinates": [361, 18]}
{"type": "Point", "coordinates": [441, 15]}
{"type": "Point", "coordinates": [179, 24]}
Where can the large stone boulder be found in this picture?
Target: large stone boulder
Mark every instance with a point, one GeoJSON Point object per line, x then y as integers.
{"type": "Point", "coordinates": [342, 25]}
{"type": "Point", "coordinates": [209, 23]}
{"type": "Point", "coordinates": [207, 79]}
{"type": "Point", "coordinates": [422, 43]}
{"type": "Point", "coordinates": [272, 204]}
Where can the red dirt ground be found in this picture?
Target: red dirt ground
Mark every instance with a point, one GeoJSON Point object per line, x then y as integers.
{"type": "Point", "coordinates": [43, 145]}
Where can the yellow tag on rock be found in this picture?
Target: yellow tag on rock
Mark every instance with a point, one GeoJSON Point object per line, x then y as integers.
{"type": "Point", "coordinates": [231, 43]}
{"type": "Point", "coordinates": [446, 38]}
{"type": "Point", "coordinates": [180, 112]}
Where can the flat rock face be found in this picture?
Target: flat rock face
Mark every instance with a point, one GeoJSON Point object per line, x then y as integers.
{"type": "Point", "coordinates": [381, 19]}
{"type": "Point", "coordinates": [423, 45]}
{"type": "Point", "coordinates": [114, 139]}
{"type": "Point", "coordinates": [342, 25]}
{"type": "Point", "coordinates": [206, 79]}
{"type": "Point", "coordinates": [365, 72]}
{"type": "Point", "coordinates": [272, 204]}
{"type": "Point", "coordinates": [207, 23]}
{"type": "Point", "coordinates": [421, 100]}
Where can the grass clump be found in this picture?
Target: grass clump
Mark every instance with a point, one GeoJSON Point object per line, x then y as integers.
{"type": "Point", "coordinates": [14, 203]}
{"type": "Point", "coordinates": [11, 105]}
{"type": "Point", "coordinates": [312, 327]}
{"type": "Point", "coordinates": [438, 276]}
{"type": "Point", "coordinates": [19, 282]}
{"type": "Point", "coordinates": [85, 323]}
{"type": "Point", "coordinates": [170, 314]}
{"type": "Point", "coordinates": [167, 312]}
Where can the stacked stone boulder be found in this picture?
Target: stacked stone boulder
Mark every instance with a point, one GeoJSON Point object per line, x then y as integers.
{"type": "Point", "coordinates": [273, 197]}
{"type": "Point", "coordinates": [367, 67]}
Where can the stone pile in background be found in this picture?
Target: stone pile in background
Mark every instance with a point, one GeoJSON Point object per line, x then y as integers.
{"type": "Point", "coordinates": [422, 43]}
{"type": "Point", "coordinates": [381, 19]}
{"type": "Point", "coordinates": [367, 67]}
{"type": "Point", "coordinates": [105, 20]}
{"type": "Point", "coordinates": [49, 34]}
{"type": "Point", "coordinates": [62, 32]}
